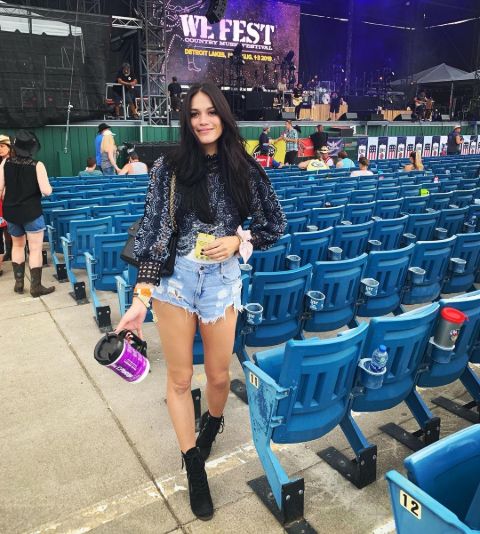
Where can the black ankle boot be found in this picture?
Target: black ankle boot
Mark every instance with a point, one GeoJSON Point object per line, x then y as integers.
{"type": "Point", "coordinates": [200, 498]}
{"type": "Point", "coordinates": [209, 428]}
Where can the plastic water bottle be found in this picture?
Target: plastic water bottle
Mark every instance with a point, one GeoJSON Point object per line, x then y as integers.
{"type": "Point", "coordinates": [379, 359]}
{"type": "Point", "coordinates": [473, 221]}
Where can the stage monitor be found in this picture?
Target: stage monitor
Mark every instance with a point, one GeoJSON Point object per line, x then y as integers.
{"type": "Point", "coordinates": [196, 50]}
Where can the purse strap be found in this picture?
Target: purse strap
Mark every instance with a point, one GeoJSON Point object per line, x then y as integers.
{"type": "Point", "coordinates": [172, 202]}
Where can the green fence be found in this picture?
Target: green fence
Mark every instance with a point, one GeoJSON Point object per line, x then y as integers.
{"type": "Point", "coordinates": [81, 142]}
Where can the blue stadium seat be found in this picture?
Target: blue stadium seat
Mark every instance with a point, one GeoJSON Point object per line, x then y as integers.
{"type": "Point", "coordinates": [414, 204]}
{"type": "Point", "coordinates": [121, 223]}
{"type": "Point", "coordinates": [422, 225]}
{"type": "Point", "coordinates": [339, 281]}
{"type": "Point", "coordinates": [282, 296]}
{"type": "Point", "coordinates": [388, 193]}
{"type": "Point", "coordinates": [338, 199]}
{"type": "Point", "coordinates": [297, 221]}
{"type": "Point", "coordinates": [60, 219]}
{"type": "Point", "coordinates": [48, 207]}
{"type": "Point", "coordinates": [74, 203]}
{"type": "Point", "coordinates": [289, 204]}
{"type": "Point", "coordinates": [111, 209]}
{"type": "Point", "coordinates": [326, 217]}
{"type": "Point", "coordinates": [439, 201]}
{"type": "Point", "coordinates": [359, 213]}
{"type": "Point", "coordinates": [442, 492]}
{"type": "Point", "coordinates": [389, 232]}
{"type": "Point", "coordinates": [352, 239]}
{"type": "Point", "coordinates": [102, 268]}
{"type": "Point", "coordinates": [305, 396]}
{"type": "Point", "coordinates": [452, 219]}
{"type": "Point", "coordinates": [273, 259]}
{"type": "Point", "coordinates": [406, 338]}
{"type": "Point", "coordinates": [312, 201]}
{"type": "Point", "coordinates": [311, 246]}
{"type": "Point", "coordinates": [434, 257]}
{"type": "Point", "coordinates": [409, 191]}
{"type": "Point", "coordinates": [361, 196]}
{"type": "Point", "coordinates": [390, 269]}
{"type": "Point", "coordinates": [462, 198]}
{"type": "Point", "coordinates": [467, 247]}
{"type": "Point", "coordinates": [388, 209]}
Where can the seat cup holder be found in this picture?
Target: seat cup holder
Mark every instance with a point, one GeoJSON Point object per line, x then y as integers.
{"type": "Point", "coordinates": [335, 253]}
{"type": "Point", "coordinates": [312, 228]}
{"type": "Point", "coordinates": [416, 275]}
{"type": "Point", "coordinates": [254, 313]}
{"type": "Point", "coordinates": [293, 261]}
{"type": "Point", "coordinates": [246, 268]}
{"type": "Point", "coordinates": [369, 287]}
{"type": "Point", "coordinates": [374, 244]}
{"type": "Point", "coordinates": [408, 238]}
{"type": "Point", "coordinates": [368, 378]}
{"type": "Point", "coordinates": [315, 300]}
{"type": "Point", "coordinates": [441, 233]}
{"type": "Point", "coordinates": [457, 265]}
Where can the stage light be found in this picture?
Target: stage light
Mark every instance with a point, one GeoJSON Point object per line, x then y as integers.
{"type": "Point", "coordinates": [216, 11]}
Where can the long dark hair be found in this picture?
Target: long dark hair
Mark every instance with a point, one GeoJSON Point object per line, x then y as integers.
{"type": "Point", "coordinates": [190, 163]}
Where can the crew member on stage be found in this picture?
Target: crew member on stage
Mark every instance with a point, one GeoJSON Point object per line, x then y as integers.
{"type": "Point", "coordinates": [175, 91]}
{"type": "Point", "coordinates": [281, 89]}
{"type": "Point", "coordinates": [454, 141]}
{"type": "Point", "coordinates": [127, 78]}
{"type": "Point", "coordinates": [420, 105]}
{"type": "Point", "coordinates": [298, 99]}
{"type": "Point", "coordinates": [335, 103]}
{"type": "Point", "coordinates": [319, 138]}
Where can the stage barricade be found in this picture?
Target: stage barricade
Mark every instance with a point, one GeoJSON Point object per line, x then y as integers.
{"type": "Point", "coordinates": [442, 492]}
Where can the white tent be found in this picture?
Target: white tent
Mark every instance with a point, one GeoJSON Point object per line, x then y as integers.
{"type": "Point", "coordinates": [437, 74]}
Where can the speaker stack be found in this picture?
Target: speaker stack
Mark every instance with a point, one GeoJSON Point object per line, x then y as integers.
{"type": "Point", "coordinates": [216, 11]}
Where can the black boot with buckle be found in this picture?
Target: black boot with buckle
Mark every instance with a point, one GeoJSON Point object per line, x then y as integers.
{"type": "Point", "coordinates": [19, 274]}
{"type": "Point", "coordinates": [209, 428]}
{"type": "Point", "coordinates": [200, 498]}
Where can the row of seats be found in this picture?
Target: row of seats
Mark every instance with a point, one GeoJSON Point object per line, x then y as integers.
{"type": "Point", "coordinates": [302, 390]}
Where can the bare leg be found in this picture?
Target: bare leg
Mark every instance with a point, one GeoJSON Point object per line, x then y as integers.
{"type": "Point", "coordinates": [35, 247]}
{"type": "Point", "coordinates": [18, 249]}
{"type": "Point", "coordinates": [218, 339]}
{"type": "Point", "coordinates": [177, 330]}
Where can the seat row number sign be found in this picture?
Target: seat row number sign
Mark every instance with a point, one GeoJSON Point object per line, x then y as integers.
{"type": "Point", "coordinates": [411, 505]}
{"type": "Point", "coordinates": [254, 380]}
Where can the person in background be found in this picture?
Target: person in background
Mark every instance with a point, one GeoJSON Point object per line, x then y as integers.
{"type": "Point", "coordinates": [134, 165]}
{"type": "Point", "coordinates": [335, 103]}
{"type": "Point", "coordinates": [98, 143]}
{"type": "Point", "coordinates": [454, 141]}
{"type": "Point", "coordinates": [4, 154]}
{"type": "Point", "coordinates": [108, 150]}
{"type": "Point", "coordinates": [23, 181]}
{"type": "Point", "coordinates": [126, 78]}
{"type": "Point", "coordinates": [316, 164]}
{"type": "Point", "coordinates": [363, 163]}
{"type": "Point", "coordinates": [319, 138]}
{"type": "Point", "coordinates": [91, 169]}
{"type": "Point", "coordinates": [415, 162]}
{"type": "Point", "coordinates": [344, 162]}
{"type": "Point", "coordinates": [326, 157]}
{"type": "Point", "coordinates": [175, 91]}
{"type": "Point", "coordinates": [290, 136]}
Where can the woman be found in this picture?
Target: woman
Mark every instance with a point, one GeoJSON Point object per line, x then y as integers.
{"type": "Point", "coordinates": [363, 164]}
{"type": "Point", "coordinates": [24, 180]}
{"type": "Point", "coordinates": [217, 186]}
{"type": "Point", "coordinates": [108, 151]}
{"type": "Point", "coordinates": [134, 166]}
{"type": "Point", "coordinates": [4, 154]}
{"type": "Point", "coordinates": [415, 162]}
{"type": "Point", "coordinates": [344, 162]}
{"type": "Point", "coordinates": [326, 157]}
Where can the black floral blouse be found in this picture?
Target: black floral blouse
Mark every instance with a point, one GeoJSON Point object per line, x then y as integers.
{"type": "Point", "coordinates": [267, 225]}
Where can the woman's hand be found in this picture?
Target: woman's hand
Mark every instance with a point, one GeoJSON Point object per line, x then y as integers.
{"type": "Point", "coordinates": [133, 318]}
{"type": "Point", "coordinates": [222, 248]}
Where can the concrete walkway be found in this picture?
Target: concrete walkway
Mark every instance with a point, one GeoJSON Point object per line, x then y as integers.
{"type": "Point", "coordinates": [82, 450]}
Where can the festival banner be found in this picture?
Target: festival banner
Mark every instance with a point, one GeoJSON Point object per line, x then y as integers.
{"type": "Point", "coordinates": [473, 144]}
{"type": "Point", "coordinates": [410, 146]}
{"type": "Point", "coordinates": [466, 145]}
{"type": "Point", "coordinates": [362, 144]}
{"type": "Point", "coordinates": [197, 50]}
{"type": "Point", "coordinates": [401, 146]}
{"type": "Point", "coordinates": [392, 148]}
{"type": "Point", "coordinates": [435, 145]}
{"type": "Point", "coordinates": [427, 146]}
{"type": "Point", "coordinates": [372, 147]}
{"type": "Point", "coordinates": [382, 147]}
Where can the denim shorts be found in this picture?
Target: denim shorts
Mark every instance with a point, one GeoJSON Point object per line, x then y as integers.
{"type": "Point", "coordinates": [32, 227]}
{"type": "Point", "coordinates": [206, 290]}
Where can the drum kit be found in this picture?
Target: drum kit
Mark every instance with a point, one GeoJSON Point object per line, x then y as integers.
{"type": "Point", "coordinates": [322, 93]}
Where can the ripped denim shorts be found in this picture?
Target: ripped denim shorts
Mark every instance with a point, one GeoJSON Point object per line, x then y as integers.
{"type": "Point", "coordinates": [201, 288]}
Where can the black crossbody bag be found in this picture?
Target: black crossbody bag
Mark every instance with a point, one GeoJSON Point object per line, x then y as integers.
{"type": "Point", "coordinates": [127, 252]}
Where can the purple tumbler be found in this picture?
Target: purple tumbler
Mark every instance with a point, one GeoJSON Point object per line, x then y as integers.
{"type": "Point", "coordinates": [125, 354]}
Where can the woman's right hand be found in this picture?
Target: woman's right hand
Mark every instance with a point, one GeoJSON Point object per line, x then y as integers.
{"type": "Point", "coordinates": [133, 318]}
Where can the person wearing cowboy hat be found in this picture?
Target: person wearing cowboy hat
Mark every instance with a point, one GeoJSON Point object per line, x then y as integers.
{"type": "Point", "coordinates": [4, 154]}
{"type": "Point", "coordinates": [23, 181]}
{"type": "Point", "coordinates": [454, 141]}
